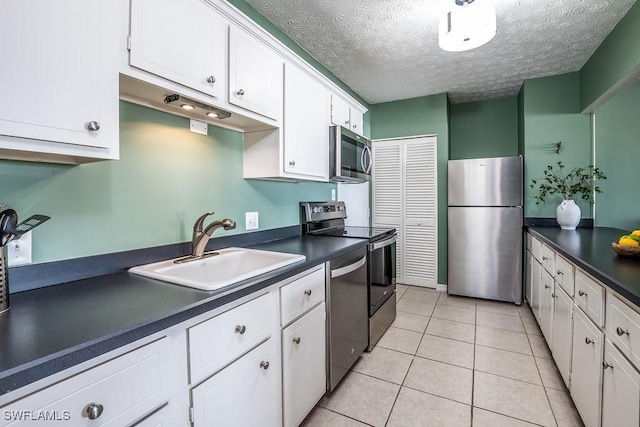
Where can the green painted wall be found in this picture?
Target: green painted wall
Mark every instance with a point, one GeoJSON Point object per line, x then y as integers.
{"type": "Point", "coordinates": [166, 177]}
{"type": "Point", "coordinates": [420, 116]}
{"type": "Point", "coordinates": [552, 114]}
{"type": "Point", "coordinates": [618, 54]}
{"type": "Point", "coordinates": [618, 154]}
{"type": "Point", "coordinates": [486, 128]}
{"type": "Point", "coordinates": [248, 10]}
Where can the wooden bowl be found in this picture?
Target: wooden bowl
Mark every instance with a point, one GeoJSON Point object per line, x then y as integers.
{"type": "Point", "coordinates": [624, 250]}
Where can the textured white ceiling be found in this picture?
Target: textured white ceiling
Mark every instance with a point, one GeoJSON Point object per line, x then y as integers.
{"type": "Point", "coordinates": [387, 50]}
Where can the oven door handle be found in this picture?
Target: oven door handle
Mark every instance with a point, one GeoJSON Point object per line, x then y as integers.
{"type": "Point", "coordinates": [349, 268]}
{"type": "Point", "coordinates": [382, 244]}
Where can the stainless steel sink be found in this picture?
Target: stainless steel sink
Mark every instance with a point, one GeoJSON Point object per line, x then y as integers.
{"type": "Point", "coordinates": [230, 266]}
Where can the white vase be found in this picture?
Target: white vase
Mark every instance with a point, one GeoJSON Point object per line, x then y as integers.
{"type": "Point", "coordinates": [568, 215]}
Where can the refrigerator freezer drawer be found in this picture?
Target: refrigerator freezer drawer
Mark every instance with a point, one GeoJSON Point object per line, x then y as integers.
{"type": "Point", "coordinates": [485, 182]}
{"type": "Point", "coordinates": [485, 253]}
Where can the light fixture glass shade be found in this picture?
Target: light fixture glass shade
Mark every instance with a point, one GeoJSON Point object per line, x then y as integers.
{"type": "Point", "coordinates": [467, 27]}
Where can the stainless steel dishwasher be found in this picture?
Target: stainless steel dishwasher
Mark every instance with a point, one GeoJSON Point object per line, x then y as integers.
{"type": "Point", "coordinates": [347, 313]}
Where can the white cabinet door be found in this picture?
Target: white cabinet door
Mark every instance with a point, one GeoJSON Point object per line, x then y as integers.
{"type": "Point", "coordinates": [620, 391]}
{"type": "Point", "coordinates": [562, 332]}
{"type": "Point", "coordinates": [255, 75]}
{"type": "Point", "coordinates": [527, 276]}
{"type": "Point", "coordinates": [586, 368]}
{"type": "Point", "coordinates": [303, 365]}
{"type": "Point", "coordinates": [59, 76]}
{"type": "Point", "coordinates": [243, 394]}
{"type": "Point", "coordinates": [357, 120]}
{"type": "Point", "coordinates": [306, 128]}
{"type": "Point", "coordinates": [180, 40]}
{"type": "Point", "coordinates": [546, 306]}
{"type": "Point", "coordinates": [536, 284]}
{"type": "Point", "coordinates": [340, 112]}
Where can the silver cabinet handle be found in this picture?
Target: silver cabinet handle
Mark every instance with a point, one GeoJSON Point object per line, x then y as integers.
{"type": "Point", "coordinates": [296, 340]}
{"type": "Point", "coordinates": [94, 410]}
{"type": "Point", "coordinates": [605, 365]}
{"type": "Point", "coordinates": [559, 272]}
{"type": "Point", "coordinates": [240, 92]}
{"type": "Point", "coordinates": [621, 331]}
{"type": "Point", "coordinates": [582, 293]}
{"type": "Point", "coordinates": [346, 122]}
{"type": "Point", "coordinates": [307, 292]}
{"type": "Point", "coordinates": [588, 341]}
{"type": "Point", "coordinates": [211, 79]}
{"type": "Point", "coordinates": [240, 329]}
{"type": "Point", "coordinates": [546, 286]}
{"type": "Point", "coordinates": [544, 258]}
{"type": "Point", "coordinates": [93, 126]}
{"type": "Point", "coordinates": [292, 163]}
{"type": "Point", "coordinates": [264, 365]}
{"type": "Point", "coordinates": [554, 295]}
{"type": "Point", "coordinates": [355, 126]}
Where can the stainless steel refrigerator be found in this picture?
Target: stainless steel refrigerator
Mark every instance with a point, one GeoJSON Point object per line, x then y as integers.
{"type": "Point", "coordinates": [485, 228]}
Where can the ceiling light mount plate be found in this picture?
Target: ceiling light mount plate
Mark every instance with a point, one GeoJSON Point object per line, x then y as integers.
{"type": "Point", "coordinates": [463, 2]}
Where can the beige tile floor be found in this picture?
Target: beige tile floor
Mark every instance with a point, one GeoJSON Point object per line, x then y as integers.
{"type": "Point", "coordinates": [452, 361]}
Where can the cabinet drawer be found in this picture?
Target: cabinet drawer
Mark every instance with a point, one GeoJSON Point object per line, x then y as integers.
{"type": "Point", "coordinates": [216, 342]}
{"type": "Point", "coordinates": [623, 329]}
{"type": "Point", "coordinates": [589, 296]}
{"type": "Point", "coordinates": [548, 259]}
{"type": "Point", "coordinates": [301, 295]}
{"type": "Point", "coordinates": [126, 387]}
{"type": "Point", "coordinates": [564, 274]}
{"type": "Point", "coordinates": [536, 248]}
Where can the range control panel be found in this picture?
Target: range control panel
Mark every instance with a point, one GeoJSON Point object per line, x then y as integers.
{"type": "Point", "coordinates": [321, 211]}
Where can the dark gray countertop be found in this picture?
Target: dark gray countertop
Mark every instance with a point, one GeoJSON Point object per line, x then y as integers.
{"type": "Point", "coordinates": [590, 249]}
{"type": "Point", "coordinates": [51, 329]}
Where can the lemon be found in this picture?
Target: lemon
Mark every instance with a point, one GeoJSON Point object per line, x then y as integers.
{"type": "Point", "coordinates": [634, 237]}
{"type": "Point", "coordinates": [635, 233]}
{"type": "Point", "coordinates": [626, 241]}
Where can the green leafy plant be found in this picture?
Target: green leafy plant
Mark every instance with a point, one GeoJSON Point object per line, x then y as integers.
{"type": "Point", "coordinates": [577, 182]}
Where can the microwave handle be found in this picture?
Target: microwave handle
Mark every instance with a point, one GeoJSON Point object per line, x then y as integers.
{"type": "Point", "coordinates": [365, 151]}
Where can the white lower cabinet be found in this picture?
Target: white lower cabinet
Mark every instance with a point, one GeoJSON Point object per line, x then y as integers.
{"type": "Point", "coordinates": [546, 305]}
{"type": "Point", "coordinates": [528, 265]}
{"type": "Point", "coordinates": [303, 365]}
{"type": "Point", "coordinates": [115, 393]}
{"type": "Point", "coordinates": [562, 329]}
{"type": "Point", "coordinates": [621, 390]}
{"type": "Point", "coordinates": [586, 368]}
{"type": "Point", "coordinates": [536, 284]}
{"type": "Point", "coordinates": [240, 394]}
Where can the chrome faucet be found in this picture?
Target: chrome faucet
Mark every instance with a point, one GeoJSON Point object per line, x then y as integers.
{"type": "Point", "coordinates": [201, 237]}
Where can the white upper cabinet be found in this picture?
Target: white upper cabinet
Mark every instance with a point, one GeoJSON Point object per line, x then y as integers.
{"type": "Point", "coordinates": [346, 115]}
{"type": "Point", "coordinates": [306, 128]}
{"type": "Point", "coordinates": [59, 80]}
{"type": "Point", "coordinates": [181, 40]}
{"type": "Point", "coordinates": [255, 75]}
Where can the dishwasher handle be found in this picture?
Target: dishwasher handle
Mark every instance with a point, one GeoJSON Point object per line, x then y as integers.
{"type": "Point", "coordinates": [382, 243]}
{"type": "Point", "coordinates": [349, 268]}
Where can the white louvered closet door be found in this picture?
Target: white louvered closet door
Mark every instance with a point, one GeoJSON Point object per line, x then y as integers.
{"type": "Point", "coordinates": [387, 192]}
{"type": "Point", "coordinates": [405, 197]}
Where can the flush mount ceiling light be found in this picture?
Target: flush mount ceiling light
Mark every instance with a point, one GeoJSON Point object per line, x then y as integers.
{"type": "Point", "coordinates": [468, 25]}
{"type": "Point", "coordinates": [193, 105]}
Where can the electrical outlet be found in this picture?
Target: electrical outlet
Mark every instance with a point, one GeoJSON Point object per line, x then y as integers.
{"type": "Point", "coordinates": [333, 194]}
{"type": "Point", "coordinates": [251, 220]}
{"type": "Point", "coordinates": [19, 251]}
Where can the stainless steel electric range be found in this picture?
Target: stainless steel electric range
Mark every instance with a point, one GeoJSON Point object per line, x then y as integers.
{"type": "Point", "coordinates": [327, 219]}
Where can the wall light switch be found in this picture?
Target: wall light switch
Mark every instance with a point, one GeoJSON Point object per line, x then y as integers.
{"type": "Point", "coordinates": [198, 127]}
{"type": "Point", "coordinates": [19, 251]}
{"type": "Point", "coordinates": [251, 220]}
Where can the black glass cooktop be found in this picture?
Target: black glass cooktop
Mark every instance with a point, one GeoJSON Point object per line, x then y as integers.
{"type": "Point", "coordinates": [371, 233]}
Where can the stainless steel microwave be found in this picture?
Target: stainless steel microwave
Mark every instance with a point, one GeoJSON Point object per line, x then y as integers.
{"type": "Point", "coordinates": [349, 156]}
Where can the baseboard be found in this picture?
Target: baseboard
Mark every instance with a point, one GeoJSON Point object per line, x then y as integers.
{"type": "Point", "coordinates": [441, 288]}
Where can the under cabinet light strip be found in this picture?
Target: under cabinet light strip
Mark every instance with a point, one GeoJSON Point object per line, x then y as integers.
{"type": "Point", "coordinates": [221, 114]}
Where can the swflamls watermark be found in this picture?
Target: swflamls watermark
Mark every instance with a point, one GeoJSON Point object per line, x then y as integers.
{"type": "Point", "coordinates": [44, 415]}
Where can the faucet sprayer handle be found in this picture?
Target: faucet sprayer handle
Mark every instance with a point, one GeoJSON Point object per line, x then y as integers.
{"type": "Point", "coordinates": [199, 224]}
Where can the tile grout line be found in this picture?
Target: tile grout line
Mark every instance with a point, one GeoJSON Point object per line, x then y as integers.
{"type": "Point", "coordinates": [342, 415]}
